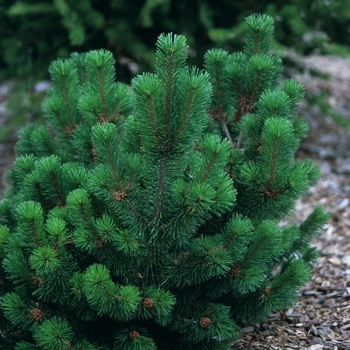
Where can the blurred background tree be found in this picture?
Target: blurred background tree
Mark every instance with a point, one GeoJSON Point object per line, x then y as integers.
{"type": "Point", "coordinates": [34, 32]}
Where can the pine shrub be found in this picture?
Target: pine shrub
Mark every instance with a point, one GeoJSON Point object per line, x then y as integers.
{"type": "Point", "coordinates": [149, 216]}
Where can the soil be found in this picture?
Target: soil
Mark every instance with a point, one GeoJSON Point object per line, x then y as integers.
{"type": "Point", "coordinates": [321, 317]}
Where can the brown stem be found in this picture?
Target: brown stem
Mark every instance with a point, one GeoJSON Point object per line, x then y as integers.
{"type": "Point", "coordinates": [159, 205]}
{"type": "Point", "coordinates": [225, 129]}
{"type": "Point", "coordinates": [239, 140]}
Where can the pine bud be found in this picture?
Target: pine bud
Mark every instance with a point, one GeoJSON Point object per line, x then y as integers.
{"type": "Point", "coordinates": [133, 335]}
{"type": "Point", "coordinates": [205, 322]}
{"type": "Point", "coordinates": [148, 303]}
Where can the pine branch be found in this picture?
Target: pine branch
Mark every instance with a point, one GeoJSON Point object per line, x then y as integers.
{"type": "Point", "coordinates": [169, 86]}
{"type": "Point", "coordinates": [226, 132]}
{"type": "Point", "coordinates": [161, 190]}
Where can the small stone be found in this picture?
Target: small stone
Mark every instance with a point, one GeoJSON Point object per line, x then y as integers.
{"type": "Point", "coordinates": [314, 330]}
{"type": "Point", "coordinates": [289, 331]}
{"type": "Point", "coordinates": [316, 347]}
{"type": "Point", "coordinates": [346, 327]}
{"type": "Point", "coordinates": [325, 284]}
{"type": "Point", "coordinates": [248, 329]}
{"type": "Point", "coordinates": [309, 293]}
{"type": "Point", "coordinates": [326, 333]}
{"type": "Point", "coordinates": [292, 315]}
{"type": "Point", "coordinates": [333, 294]}
{"type": "Point", "coordinates": [320, 299]}
{"type": "Point", "coordinates": [317, 341]}
{"type": "Point", "coordinates": [335, 261]}
{"type": "Point", "coordinates": [344, 204]}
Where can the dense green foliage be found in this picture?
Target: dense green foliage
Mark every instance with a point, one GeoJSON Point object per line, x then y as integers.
{"type": "Point", "coordinates": [148, 216]}
{"type": "Point", "coordinates": [35, 32]}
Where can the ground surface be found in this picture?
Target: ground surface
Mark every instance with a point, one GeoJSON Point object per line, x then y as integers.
{"type": "Point", "coordinates": [321, 318]}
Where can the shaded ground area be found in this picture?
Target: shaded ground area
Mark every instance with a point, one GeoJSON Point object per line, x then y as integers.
{"type": "Point", "coordinates": [321, 318]}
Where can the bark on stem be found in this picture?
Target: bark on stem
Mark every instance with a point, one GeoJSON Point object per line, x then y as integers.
{"type": "Point", "coordinates": [227, 133]}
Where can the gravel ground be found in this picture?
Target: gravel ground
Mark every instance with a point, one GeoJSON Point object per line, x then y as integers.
{"type": "Point", "coordinates": [321, 318]}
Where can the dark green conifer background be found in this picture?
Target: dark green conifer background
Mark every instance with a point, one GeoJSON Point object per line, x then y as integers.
{"type": "Point", "coordinates": [35, 32]}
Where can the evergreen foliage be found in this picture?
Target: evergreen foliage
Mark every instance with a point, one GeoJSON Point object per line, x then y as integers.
{"type": "Point", "coordinates": [148, 216]}
{"type": "Point", "coordinates": [35, 32]}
